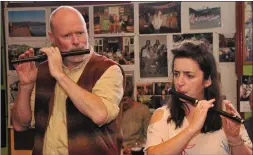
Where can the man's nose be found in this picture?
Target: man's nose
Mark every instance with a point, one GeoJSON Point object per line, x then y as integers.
{"type": "Point", "coordinates": [75, 39]}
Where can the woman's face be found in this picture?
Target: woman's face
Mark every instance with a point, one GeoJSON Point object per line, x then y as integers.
{"type": "Point", "coordinates": [188, 78]}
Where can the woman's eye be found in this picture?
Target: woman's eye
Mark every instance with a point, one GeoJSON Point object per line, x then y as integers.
{"type": "Point", "coordinates": [190, 76]}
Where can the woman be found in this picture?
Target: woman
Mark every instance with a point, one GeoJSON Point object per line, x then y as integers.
{"type": "Point", "coordinates": [179, 127]}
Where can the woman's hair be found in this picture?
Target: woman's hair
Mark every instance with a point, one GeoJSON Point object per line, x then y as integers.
{"type": "Point", "coordinates": [198, 51]}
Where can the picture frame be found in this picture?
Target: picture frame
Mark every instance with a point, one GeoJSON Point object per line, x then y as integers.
{"type": "Point", "coordinates": [159, 17]}
{"type": "Point", "coordinates": [113, 19]}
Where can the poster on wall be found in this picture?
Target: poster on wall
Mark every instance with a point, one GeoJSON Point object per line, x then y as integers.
{"type": "Point", "coordinates": [246, 93]}
{"type": "Point", "coordinates": [153, 56]}
{"type": "Point", "coordinates": [84, 12]}
{"type": "Point", "coordinates": [15, 49]}
{"type": "Point", "coordinates": [119, 49]}
{"type": "Point", "coordinates": [227, 47]}
{"type": "Point", "coordinates": [27, 23]}
{"type": "Point", "coordinates": [203, 18]}
{"type": "Point", "coordinates": [114, 19]}
{"type": "Point", "coordinates": [160, 17]}
{"type": "Point", "coordinates": [207, 38]}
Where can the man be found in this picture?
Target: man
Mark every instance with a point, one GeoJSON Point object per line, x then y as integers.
{"type": "Point", "coordinates": [74, 100]}
{"type": "Point", "coordinates": [134, 121]}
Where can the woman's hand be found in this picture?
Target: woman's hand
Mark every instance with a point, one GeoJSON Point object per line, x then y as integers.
{"type": "Point", "coordinates": [199, 115]}
{"type": "Point", "coordinates": [230, 127]}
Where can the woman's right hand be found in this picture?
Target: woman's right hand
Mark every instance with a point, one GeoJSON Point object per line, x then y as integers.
{"type": "Point", "coordinates": [26, 71]}
{"type": "Point", "coordinates": [199, 115]}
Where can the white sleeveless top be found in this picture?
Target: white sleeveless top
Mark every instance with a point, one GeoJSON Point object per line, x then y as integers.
{"type": "Point", "coordinates": [210, 143]}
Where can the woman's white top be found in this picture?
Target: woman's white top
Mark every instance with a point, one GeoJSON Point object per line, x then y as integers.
{"type": "Point", "coordinates": [214, 143]}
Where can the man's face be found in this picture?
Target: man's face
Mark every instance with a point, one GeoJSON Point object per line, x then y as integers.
{"type": "Point", "coordinates": [70, 34]}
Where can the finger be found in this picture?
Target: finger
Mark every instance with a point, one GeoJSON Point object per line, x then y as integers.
{"type": "Point", "coordinates": [31, 53]}
{"type": "Point", "coordinates": [46, 51]}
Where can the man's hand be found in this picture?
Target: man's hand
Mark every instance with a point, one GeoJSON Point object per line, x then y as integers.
{"type": "Point", "coordinates": [26, 71]}
{"type": "Point", "coordinates": [54, 60]}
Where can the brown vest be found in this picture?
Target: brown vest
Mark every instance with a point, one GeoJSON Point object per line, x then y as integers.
{"type": "Point", "coordinates": [84, 136]}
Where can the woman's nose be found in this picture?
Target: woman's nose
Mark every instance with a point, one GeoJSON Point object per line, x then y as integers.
{"type": "Point", "coordinates": [180, 80]}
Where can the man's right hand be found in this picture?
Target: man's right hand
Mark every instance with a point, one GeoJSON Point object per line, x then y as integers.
{"type": "Point", "coordinates": [26, 71]}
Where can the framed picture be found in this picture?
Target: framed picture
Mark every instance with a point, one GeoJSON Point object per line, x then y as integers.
{"type": "Point", "coordinates": [203, 18]}
{"type": "Point", "coordinates": [26, 23]}
{"type": "Point", "coordinates": [119, 49]}
{"type": "Point", "coordinates": [153, 56]}
{"type": "Point", "coordinates": [160, 17]}
{"type": "Point", "coordinates": [114, 19]}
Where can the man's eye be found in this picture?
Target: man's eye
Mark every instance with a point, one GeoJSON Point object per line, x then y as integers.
{"type": "Point", "coordinates": [175, 74]}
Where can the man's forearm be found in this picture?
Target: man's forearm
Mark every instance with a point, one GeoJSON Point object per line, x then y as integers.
{"type": "Point", "coordinates": [81, 98]}
{"type": "Point", "coordinates": [21, 114]}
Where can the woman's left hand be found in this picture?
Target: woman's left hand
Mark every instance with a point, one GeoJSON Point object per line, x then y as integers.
{"type": "Point", "coordinates": [230, 127]}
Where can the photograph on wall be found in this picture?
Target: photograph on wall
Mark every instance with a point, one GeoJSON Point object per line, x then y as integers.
{"type": "Point", "coordinates": [129, 82]}
{"type": "Point", "coordinates": [161, 95]}
{"type": "Point", "coordinates": [10, 107]}
{"type": "Point", "coordinates": [13, 82]}
{"type": "Point", "coordinates": [203, 18]}
{"type": "Point", "coordinates": [145, 93]}
{"type": "Point", "coordinates": [114, 19]}
{"type": "Point", "coordinates": [248, 48]}
{"type": "Point", "coordinates": [246, 92]}
{"type": "Point", "coordinates": [85, 13]}
{"type": "Point", "coordinates": [207, 38]}
{"type": "Point", "coordinates": [29, 23]}
{"type": "Point", "coordinates": [119, 49]}
{"type": "Point", "coordinates": [160, 17]}
{"type": "Point", "coordinates": [153, 56]}
{"type": "Point", "coordinates": [227, 47]}
{"type": "Point", "coordinates": [14, 50]}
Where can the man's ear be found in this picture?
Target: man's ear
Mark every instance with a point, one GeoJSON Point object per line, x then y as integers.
{"type": "Point", "coordinates": [208, 82]}
{"type": "Point", "coordinates": [51, 36]}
